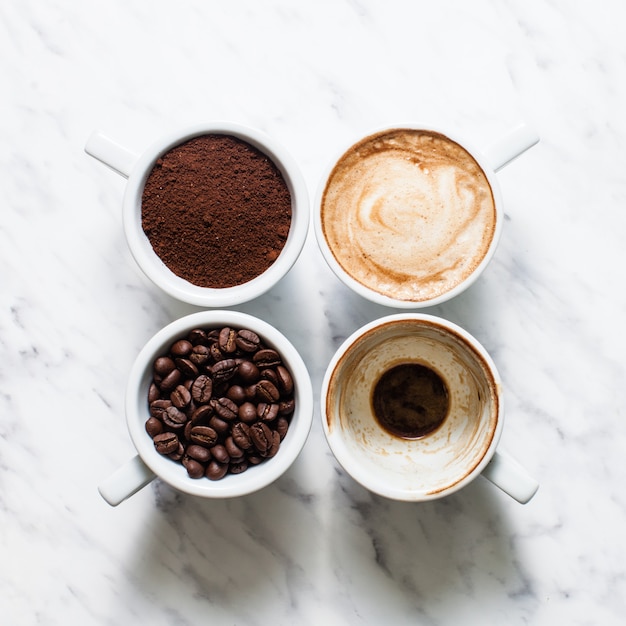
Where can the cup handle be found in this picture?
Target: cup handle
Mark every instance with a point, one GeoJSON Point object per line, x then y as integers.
{"type": "Point", "coordinates": [509, 147]}
{"type": "Point", "coordinates": [507, 474]}
{"type": "Point", "coordinates": [112, 154]}
{"type": "Point", "coordinates": [126, 481]}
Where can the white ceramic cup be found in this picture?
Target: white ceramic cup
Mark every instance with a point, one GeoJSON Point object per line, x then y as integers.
{"type": "Point", "coordinates": [437, 464]}
{"type": "Point", "coordinates": [490, 160]}
{"type": "Point", "coordinates": [149, 464]}
{"type": "Point", "coordinates": [137, 168]}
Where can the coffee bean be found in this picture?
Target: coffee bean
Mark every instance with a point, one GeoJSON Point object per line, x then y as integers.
{"type": "Point", "coordinates": [187, 367]}
{"type": "Point", "coordinates": [199, 453]}
{"type": "Point", "coordinates": [202, 413]}
{"type": "Point", "coordinates": [154, 427]}
{"type": "Point", "coordinates": [273, 449]}
{"type": "Point", "coordinates": [197, 336]}
{"type": "Point", "coordinates": [227, 341]}
{"type": "Point", "coordinates": [215, 353]}
{"type": "Point", "coordinates": [247, 413]}
{"type": "Point", "coordinates": [241, 435]}
{"type": "Point", "coordinates": [248, 372]}
{"type": "Point", "coordinates": [224, 369]}
{"type": "Point", "coordinates": [202, 389]}
{"type": "Point", "coordinates": [233, 450]}
{"type": "Point", "coordinates": [203, 435]}
{"type": "Point", "coordinates": [166, 443]}
{"type": "Point", "coordinates": [181, 348]}
{"type": "Point", "coordinates": [286, 407]}
{"type": "Point", "coordinates": [266, 391]}
{"type": "Point", "coordinates": [178, 454]}
{"type": "Point", "coordinates": [247, 340]}
{"type": "Point", "coordinates": [285, 380]}
{"type": "Point", "coordinates": [282, 426]}
{"type": "Point", "coordinates": [219, 425]}
{"type": "Point", "coordinates": [215, 470]}
{"type": "Point", "coordinates": [220, 454]}
{"type": "Point", "coordinates": [238, 467]}
{"type": "Point", "coordinates": [236, 393]}
{"type": "Point", "coordinates": [261, 437]}
{"type": "Point", "coordinates": [158, 407]}
{"type": "Point", "coordinates": [163, 366]}
{"type": "Point", "coordinates": [225, 408]}
{"type": "Point", "coordinates": [180, 397]}
{"type": "Point", "coordinates": [194, 469]}
{"type": "Point", "coordinates": [154, 393]}
{"type": "Point", "coordinates": [199, 355]}
{"type": "Point", "coordinates": [171, 380]}
{"type": "Point", "coordinates": [267, 412]}
{"type": "Point", "coordinates": [174, 418]}
{"type": "Point", "coordinates": [267, 358]}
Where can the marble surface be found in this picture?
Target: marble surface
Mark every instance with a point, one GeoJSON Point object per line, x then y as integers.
{"type": "Point", "coordinates": [314, 547]}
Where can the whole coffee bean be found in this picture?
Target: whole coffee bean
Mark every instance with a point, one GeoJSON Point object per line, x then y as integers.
{"type": "Point", "coordinates": [153, 393]}
{"type": "Point", "coordinates": [250, 392]}
{"type": "Point", "coordinates": [236, 393]}
{"type": "Point", "coordinates": [199, 355]}
{"type": "Point", "coordinates": [202, 389]}
{"type": "Point", "coordinates": [219, 425]}
{"type": "Point", "coordinates": [178, 454]}
{"type": "Point", "coordinates": [270, 374]}
{"type": "Point", "coordinates": [154, 426]}
{"type": "Point", "coordinates": [247, 413]}
{"type": "Point", "coordinates": [227, 341]}
{"type": "Point", "coordinates": [261, 436]}
{"type": "Point", "coordinates": [158, 408]}
{"type": "Point", "coordinates": [247, 340]}
{"type": "Point", "coordinates": [194, 469]}
{"type": "Point", "coordinates": [225, 408]}
{"type": "Point", "coordinates": [220, 454]}
{"type": "Point", "coordinates": [241, 435]}
{"type": "Point", "coordinates": [286, 407]}
{"type": "Point", "coordinates": [163, 366]}
{"type": "Point", "coordinates": [199, 453]}
{"type": "Point", "coordinates": [187, 367]}
{"type": "Point", "coordinates": [248, 372]}
{"type": "Point", "coordinates": [233, 450]}
{"type": "Point", "coordinates": [174, 418]}
{"type": "Point", "coordinates": [281, 426]}
{"type": "Point", "coordinates": [201, 414]}
{"type": "Point", "coordinates": [187, 430]}
{"type": "Point", "coordinates": [273, 450]}
{"type": "Point", "coordinates": [197, 336]}
{"type": "Point", "coordinates": [181, 348]}
{"type": "Point", "coordinates": [203, 436]}
{"type": "Point", "coordinates": [171, 380]}
{"type": "Point", "coordinates": [215, 353]}
{"type": "Point", "coordinates": [267, 358]}
{"type": "Point", "coordinates": [267, 412]}
{"type": "Point", "coordinates": [166, 443]}
{"type": "Point", "coordinates": [224, 369]}
{"type": "Point", "coordinates": [285, 380]}
{"type": "Point", "coordinates": [238, 467]}
{"type": "Point", "coordinates": [180, 397]}
{"type": "Point", "coordinates": [266, 391]}
{"type": "Point", "coordinates": [215, 470]}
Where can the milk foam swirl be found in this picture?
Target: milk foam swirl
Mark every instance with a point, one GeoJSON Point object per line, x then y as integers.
{"type": "Point", "coordinates": [408, 213]}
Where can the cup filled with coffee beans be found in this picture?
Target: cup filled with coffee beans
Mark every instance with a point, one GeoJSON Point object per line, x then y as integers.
{"type": "Point", "coordinates": [218, 404]}
{"type": "Point", "coordinates": [409, 217]}
{"type": "Point", "coordinates": [214, 214]}
{"type": "Point", "coordinates": [412, 408]}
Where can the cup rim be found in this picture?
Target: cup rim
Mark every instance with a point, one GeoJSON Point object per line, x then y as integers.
{"type": "Point", "coordinates": [154, 268]}
{"type": "Point", "coordinates": [371, 294]}
{"type": "Point", "coordinates": [232, 485]}
{"type": "Point", "coordinates": [335, 440]}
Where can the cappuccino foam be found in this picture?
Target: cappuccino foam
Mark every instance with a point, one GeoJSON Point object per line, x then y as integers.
{"type": "Point", "coordinates": [408, 213]}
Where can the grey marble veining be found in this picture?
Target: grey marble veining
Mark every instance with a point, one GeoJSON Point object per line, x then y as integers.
{"type": "Point", "coordinates": [314, 547]}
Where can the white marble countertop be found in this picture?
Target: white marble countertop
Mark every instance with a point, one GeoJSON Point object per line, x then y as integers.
{"type": "Point", "coordinates": [313, 548]}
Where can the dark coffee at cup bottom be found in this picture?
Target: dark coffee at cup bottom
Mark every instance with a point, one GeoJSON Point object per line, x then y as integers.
{"type": "Point", "coordinates": [410, 400]}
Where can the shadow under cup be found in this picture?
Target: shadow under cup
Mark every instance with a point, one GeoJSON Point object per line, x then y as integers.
{"type": "Point", "coordinates": [438, 463]}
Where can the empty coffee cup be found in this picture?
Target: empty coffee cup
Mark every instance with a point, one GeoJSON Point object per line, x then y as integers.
{"type": "Point", "coordinates": [215, 214]}
{"type": "Point", "coordinates": [192, 406]}
{"type": "Point", "coordinates": [412, 408]}
{"type": "Point", "coordinates": [409, 217]}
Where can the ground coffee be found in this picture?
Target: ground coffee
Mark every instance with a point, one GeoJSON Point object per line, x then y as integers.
{"type": "Point", "coordinates": [216, 210]}
{"type": "Point", "coordinates": [220, 401]}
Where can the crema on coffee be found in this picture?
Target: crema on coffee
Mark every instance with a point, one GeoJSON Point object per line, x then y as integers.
{"type": "Point", "coordinates": [408, 213]}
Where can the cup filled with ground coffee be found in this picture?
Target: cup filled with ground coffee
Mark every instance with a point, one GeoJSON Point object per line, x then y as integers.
{"type": "Point", "coordinates": [215, 214]}
{"type": "Point", "coordinates": [412, 408]}
{"type": "Point", "coordinates": [409, 217]}
{"type": "Point", "coordinates": [218, 404]}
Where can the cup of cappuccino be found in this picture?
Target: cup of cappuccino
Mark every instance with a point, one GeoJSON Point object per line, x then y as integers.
{"type": "Point", "coordinates": [412, 409]}
{"type": "Point", "coordinates": [409, 217]}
